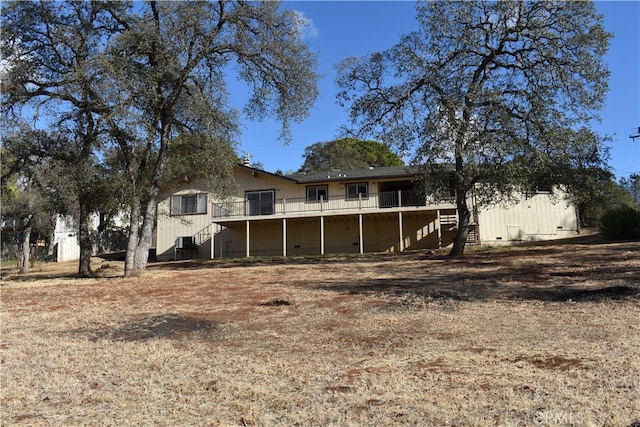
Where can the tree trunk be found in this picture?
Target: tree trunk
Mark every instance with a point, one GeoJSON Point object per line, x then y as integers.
{"type": "Point", "coordinates": [23, 261]}
{"type": "Point", "coordinates": [84, 240]}
{"type": "Point", "coordinates": [140, 235]}
{"type": "Point", "coordinates": [464, 214]}
{"type": "Point", "coordinates": [139, 256]}
{"type": "Point", "coordinates": [52, 238]}
{"type": "Point", "coordinates": [132, 242]}
{"type": "Point", "coordinates": [464, 219]}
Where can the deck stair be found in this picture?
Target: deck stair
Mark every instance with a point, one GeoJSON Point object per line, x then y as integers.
{"type": "Point", "coordinates": [202, 235]}
{"type": "Point", "coordinates": [473, 237]}
{"type": "Point", "coordinates": [449, 219]}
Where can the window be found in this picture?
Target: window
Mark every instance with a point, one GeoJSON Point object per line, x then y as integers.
{"type": "Point", "coordinates": [260, 202]}
{"type": "Point", "coordinates": [316, 192]}
{"type": "Point", "coordinates": [189, 204]}
{"type": "Point", "coordinates": [356, 190]}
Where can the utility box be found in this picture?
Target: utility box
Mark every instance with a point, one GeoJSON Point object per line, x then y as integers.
{"type": "Point", "coordinates": [185, 242]}
{"type": "Point", "coordinates": [186, 248]}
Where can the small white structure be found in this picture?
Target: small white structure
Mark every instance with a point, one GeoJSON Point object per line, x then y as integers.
{"type": "Point", "coordinates": [65, 238]}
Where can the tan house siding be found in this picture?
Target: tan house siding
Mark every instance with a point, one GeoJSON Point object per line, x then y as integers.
{"type": "Point", "coordinates": [379, 221]}
{"type": "Point", "coordinates": [170, 227]}
{"type": "Point", "coordinates": [536, 217]}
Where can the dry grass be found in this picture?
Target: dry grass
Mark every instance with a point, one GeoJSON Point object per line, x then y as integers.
{"type": "Point", "coordinates": [531, 336]}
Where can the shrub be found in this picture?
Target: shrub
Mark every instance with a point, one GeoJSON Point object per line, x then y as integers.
{"type": "Point", "coordinates": [622, 223]}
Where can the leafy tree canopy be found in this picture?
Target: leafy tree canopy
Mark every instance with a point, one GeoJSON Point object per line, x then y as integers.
{"type": "Point", "coordinates": [348, 153]}
{"type": "Point", "coordinates": [484, 86]}
{"type": "Point", "coordinates": [632, 185]}
{"type": "Point", "coordinates": [135, 82]}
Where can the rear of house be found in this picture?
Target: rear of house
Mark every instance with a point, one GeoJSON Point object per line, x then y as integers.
{"type": "Point", "coordinates": [358, 211]}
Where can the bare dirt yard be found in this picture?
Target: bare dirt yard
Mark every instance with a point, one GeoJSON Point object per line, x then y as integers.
{"type": "Point", "coordinates": [529, 336]}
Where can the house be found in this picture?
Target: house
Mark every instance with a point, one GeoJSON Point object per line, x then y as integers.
{"type": "Point", "coordinates": [356, 211]}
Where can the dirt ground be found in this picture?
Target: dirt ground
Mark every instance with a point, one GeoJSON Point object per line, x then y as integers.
{"type": "Point", "coordinates": [530, 336]}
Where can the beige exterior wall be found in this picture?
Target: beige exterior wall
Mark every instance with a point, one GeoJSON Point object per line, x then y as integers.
{"type": "Point", "coordinates": [170, 227]}
{"type": "Point", "coordinates": [295, 194]}
{"type": "Point", "coordinates": [250, 180]}
{"type": "Point", "coordinates": [537, 217]}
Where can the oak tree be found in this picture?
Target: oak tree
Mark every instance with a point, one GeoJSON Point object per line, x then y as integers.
{"type": "Point", "coordinates": [478, 86]}
{"type": "Point", "coordinates": [53, 78]}
{"type": "Point", "coordinates": [172, 62]}
{"type": "Point", "coordinates": [129, 80]}
{"type": "Point", "coordinates": [348, 153]}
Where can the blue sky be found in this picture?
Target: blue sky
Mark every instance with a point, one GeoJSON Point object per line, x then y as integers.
{"type": "Point", "coordinates": [338, 29]}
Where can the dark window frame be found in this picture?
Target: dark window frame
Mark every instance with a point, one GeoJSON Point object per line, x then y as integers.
{"type": "Point", "coordinates": [262, 207]}
{"type": "Point", "coordinates": [316, 197]}
{"type": "Point", "coordinates": [180, 204]}
{"type": "Point", "coordinates": [351, 195]}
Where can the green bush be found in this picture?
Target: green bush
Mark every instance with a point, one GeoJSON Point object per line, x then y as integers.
{"type": "Point", "coordinates": [622, 223]}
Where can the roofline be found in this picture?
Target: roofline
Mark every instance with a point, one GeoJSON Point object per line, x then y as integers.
{"type": "Point", "coordinates": [344, 176]}
{"type": "Point", "coordinates": [405, 171]}
{"type": "Point", "coordinates": [252, 169]}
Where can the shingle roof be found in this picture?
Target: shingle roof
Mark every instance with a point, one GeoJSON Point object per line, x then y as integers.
{"type": "Point", "coordinates": [356, 174]}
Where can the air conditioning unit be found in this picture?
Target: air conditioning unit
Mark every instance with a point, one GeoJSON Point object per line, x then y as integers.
{"type": "Point", "coordinates": [185, 242]}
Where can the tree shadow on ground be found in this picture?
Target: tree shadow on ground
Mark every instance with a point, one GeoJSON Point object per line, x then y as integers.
{"type": "Point", "coordinates": [332, 259]}
{"type": "Point", "coordinates": [548, 274]}
{"type": "Point", "coordinates": [475, 289]}
{"type": "Point", "coordinates": [486, 292]}
{"type": "Point", "coordinates": [104, 272]}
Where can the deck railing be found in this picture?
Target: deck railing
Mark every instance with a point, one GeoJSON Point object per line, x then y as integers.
{"type": "Point", "coordinates": [389, 199]}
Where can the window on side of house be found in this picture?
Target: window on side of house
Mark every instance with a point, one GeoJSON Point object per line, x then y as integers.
{"type": "Point", "coordinates": [541, 185]}
{"type": "Point", "coordinates": [314, 193]}
{"type": "Point", "coordinates": [356, 190]}
{"type": "Point", "coordinates": [189, 204]}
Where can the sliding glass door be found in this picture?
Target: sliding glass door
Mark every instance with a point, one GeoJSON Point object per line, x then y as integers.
{"type": "Point", "coordinates": [261, 202]}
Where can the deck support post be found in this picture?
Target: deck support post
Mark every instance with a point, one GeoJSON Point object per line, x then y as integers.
{"type": "Point", "coordinates": [284, 237]}
{"type": "Point", "coordinates": [321, 235]}
{"type": "Point", "coordinates": [212, 249]}
{"type": "Point", "coordinates": [360, 233]}
{"type": "Point", "coordinates": [247, 233]}
{"type": "Point", "coordinates": [401, 231]}
{"type": "Point", "coordinates": [439, 228]}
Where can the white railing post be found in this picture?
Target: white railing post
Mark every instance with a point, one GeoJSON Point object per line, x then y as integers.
{"type": "Point", "coordinates": [321, 203]}
{"type": "Point", "coordinates": [399, 198]}
{"type": "Point", "coordinates": [284, 205]}
{"type": "Point", "coordinates": [360, 201]}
